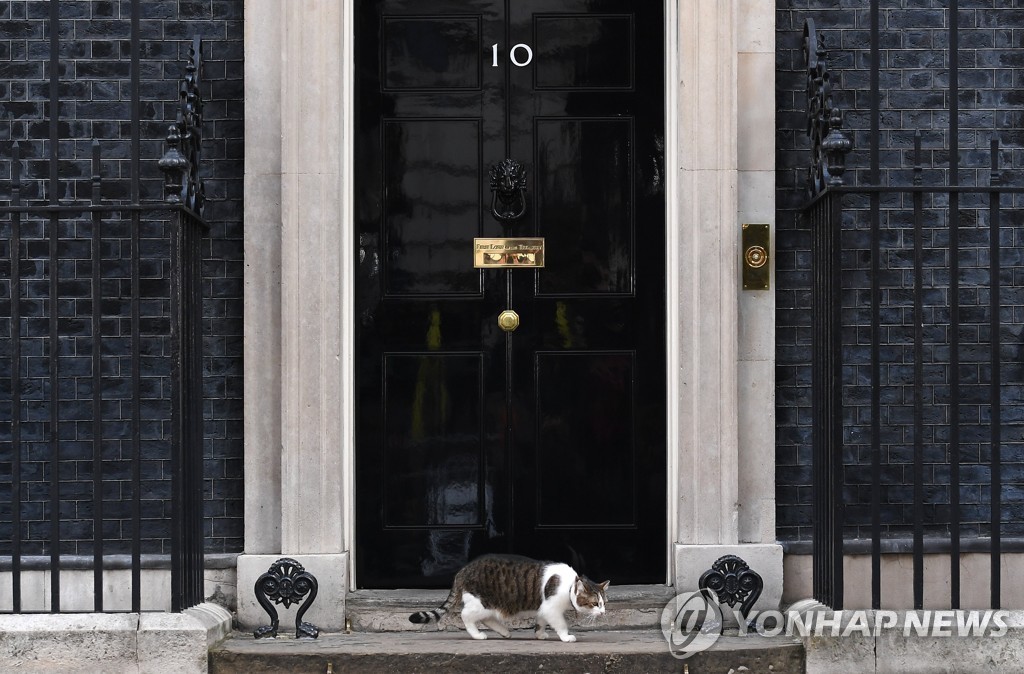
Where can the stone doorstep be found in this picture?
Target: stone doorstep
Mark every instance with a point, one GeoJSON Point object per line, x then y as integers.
{"type": "Point", "coordinates": [628, 607]}
{"type": "Point", "coordinates": [595, 651]}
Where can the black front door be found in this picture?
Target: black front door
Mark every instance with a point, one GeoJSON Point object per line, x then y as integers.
{"type": "Point", "coordinates": [549, 440]}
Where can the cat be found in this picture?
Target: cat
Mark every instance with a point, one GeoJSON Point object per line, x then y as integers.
{"type": "Point", "coordinates": [494, 588]}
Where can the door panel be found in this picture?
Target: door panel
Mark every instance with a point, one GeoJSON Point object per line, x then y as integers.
{"type": "Point", "coordinates": [585, 401]}
{"type": "Point", "coordinates": [434, 451]}
{"type": "Point", "coordinates": [432, 178]}
{"type": "Point", "coordinates": [550, 440]}
{"type": "Point", "coordinates": [584, 169]}
{"type": "Point", "coordinates": [580, 51]}
{"type": "Point", "coordinates": [424, 52]}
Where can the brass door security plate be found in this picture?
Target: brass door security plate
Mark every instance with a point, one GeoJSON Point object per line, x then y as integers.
{"type": "Point", "coordinates": [756, 244]}
{"type": "Point", "coordinates": [508, 320]}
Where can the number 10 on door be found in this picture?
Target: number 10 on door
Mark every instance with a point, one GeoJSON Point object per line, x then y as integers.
{"type": "Point", "coordinates": [514, 55]}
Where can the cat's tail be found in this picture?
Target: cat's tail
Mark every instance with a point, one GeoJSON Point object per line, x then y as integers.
{"type": "Point", "coordinates": [436, 614]}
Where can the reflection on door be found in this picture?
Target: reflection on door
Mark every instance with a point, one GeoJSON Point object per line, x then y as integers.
{"type": "Point", "coordinates": [549, 439]}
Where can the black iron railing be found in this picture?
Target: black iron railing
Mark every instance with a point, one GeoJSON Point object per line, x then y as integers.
{"type": "Point", "coordinates": [114, 422]}
{"type": "Point", "coordinates": [908, 322]}
{"type": "Point", "coordinates": [101, 351]}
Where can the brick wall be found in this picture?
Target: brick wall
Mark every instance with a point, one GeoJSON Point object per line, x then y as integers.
{"type": "Point", "coordinates": [914, 96]}
{"type": "Point", "coordinates": [95, 95]}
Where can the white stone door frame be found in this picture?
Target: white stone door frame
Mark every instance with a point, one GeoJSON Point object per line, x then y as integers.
{"type": "Point", "coordinates": [299, 278]}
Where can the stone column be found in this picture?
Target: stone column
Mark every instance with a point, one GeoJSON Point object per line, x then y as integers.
{"type": "Point", "coordinates": [756, 371]}
{"type": "Point", "coordinates": [262, 240]}
{"type": "Point", "coordinates": [297, 417]}
{"type": "Point", "coordinates": [725, 386]}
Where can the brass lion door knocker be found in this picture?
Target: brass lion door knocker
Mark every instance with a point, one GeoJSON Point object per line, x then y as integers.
{"type": "Point", "coordinates": [508, 185]}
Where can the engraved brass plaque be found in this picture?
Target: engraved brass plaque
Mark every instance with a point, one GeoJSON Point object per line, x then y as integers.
{"type": "Point", "coordinates": [508, 253]}
{"type": "Point", "coordinates": [756, 244]}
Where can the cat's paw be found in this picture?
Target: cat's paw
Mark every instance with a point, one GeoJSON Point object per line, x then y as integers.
{"type": "Point", "coordinates": [568, 638]}
{"type": "Point", "coordinates": [479, 635]}
{"type": "Point", "coordinates": [541, 634]}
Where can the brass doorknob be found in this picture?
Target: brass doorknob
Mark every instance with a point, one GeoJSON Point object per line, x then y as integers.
{"type": "Point", "coordinates": [508, 320]}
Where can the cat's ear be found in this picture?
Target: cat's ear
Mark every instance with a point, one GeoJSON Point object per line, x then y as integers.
{"type": "Point", "coordinates": [604, 585]}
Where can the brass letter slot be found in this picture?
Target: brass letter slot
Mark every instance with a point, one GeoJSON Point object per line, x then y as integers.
{"type": "Point", "coordinates": [756, 243]}
{"type": "Point", "coordinates": [508, 253]}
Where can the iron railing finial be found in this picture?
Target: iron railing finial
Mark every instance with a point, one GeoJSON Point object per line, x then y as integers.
{"type": "Point", "coordinates": [181, 161]}
{"type": "Point", "coordinates": [829, 144]}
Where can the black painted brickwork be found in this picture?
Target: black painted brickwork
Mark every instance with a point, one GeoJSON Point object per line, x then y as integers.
{"type": "Point", "coordinates": [95, 94]}
{"type": "Point", "coordinates": [75, 430]}
{"type": "Point", "coordinates": [914, 82]}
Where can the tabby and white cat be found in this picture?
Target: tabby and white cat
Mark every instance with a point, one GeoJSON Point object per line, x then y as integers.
{"type": "Point", "coordinates": [494, 588]}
